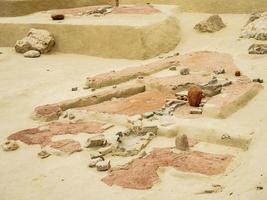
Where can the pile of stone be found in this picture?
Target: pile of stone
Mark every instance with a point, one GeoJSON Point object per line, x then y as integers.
{"type": "Point", "coordinates": [37, 42]}
{"type": "Point", "coordinates": [212, 24]}
{"type": "Point", "coordinates": [256, 27]}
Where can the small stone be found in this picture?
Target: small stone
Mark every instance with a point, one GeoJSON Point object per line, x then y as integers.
{"type": "Point", "coordinates": [92, 89]}
{"type": "Point", "coordinates": [172, 68]}
{"type": "Point", "coordinates": [43, 154]}
{"type": "Point", "coordinates": [148, 115]}
{"type": "Point", "coordinates": [98, 140]}
{"type": "Point", "coordinates": [258, 80]}
{"type": "Point", "coordinates": [181, 143]}
{"type": "Point", "coordinates": [32, 54]}
{"type": "Point", "coordinates": [103, 165]}
{"type": "Point", "coordinates": [212, 24]}
{"type": "Point", "coordinates": [257, 49]}
{"type": "Point", "coordinates": [71, 116]}
{"type": "Point", "coordinates": [219, 71]}
{"type": "Point", "coordinates": [96, 154]}
{"type": "Point", "coordinates": [10, 146]}
{"type": "Point", "coordinates": [74, 89]}
{"type": "Point", "coordinates": [57, 16]}
{"type": "Point", "coordinates": [106, 150]}
{"type": "Point", "coordinates": [237, 73]}
{"type": "Point", "coordinates": [225, 137]}
{"type": "Point", "coordinates": [196, 111]}
{"type": "Point", "coordinates": [184, 71]}
{"type": "Point", "coordinates": [114, 86]}
{"type": "Point", "coordinates": [194, 96]}
{"type": "Point", "coordinates": [93, 162]}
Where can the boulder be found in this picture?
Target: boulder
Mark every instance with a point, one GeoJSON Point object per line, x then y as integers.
{"type": "Point", "coordinates": [32, 54]}
{"type": "Point", "coordinates": [212, 24]}
{"type": "Point", "coordinates": [194, 96]}
{"type": "Point", "coordinates": [256, 27]}
{"type": "Point", "coordinates": [36, 39]}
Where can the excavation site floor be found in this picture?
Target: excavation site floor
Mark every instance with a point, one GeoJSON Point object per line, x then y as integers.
{"type": "Point", "coordinates": [45, 105]}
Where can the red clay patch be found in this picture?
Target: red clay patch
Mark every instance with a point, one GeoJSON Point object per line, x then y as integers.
{"type": "Point", "coordinates": [209, 61]}
{"type": "Point", "coordinates": [142, 173]}
{"type": "Point", "coordinates": [136, 104]}
{"type": "Point", "coordinates": [43, 135]}
{"type": "Point", "coordinates": [147, 9]}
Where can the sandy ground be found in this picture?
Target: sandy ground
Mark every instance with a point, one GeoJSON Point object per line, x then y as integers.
{"type": "Point", "coordinates": [26, 83]}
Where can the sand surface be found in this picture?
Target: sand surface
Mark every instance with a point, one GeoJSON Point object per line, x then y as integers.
{"type": "Point", "coordinates": [26, 83]}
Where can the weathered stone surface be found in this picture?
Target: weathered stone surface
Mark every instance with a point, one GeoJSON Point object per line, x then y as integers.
{"type": "Point", "coordinates": [93, 162]}
{"type": "Point", "coordinates": [95, 141]}
{"type": "Point", "coordinates": [57, 16]}
{"type": "Point", "coordinates": [10, 146]}
{"type": "Point", "coordinates": [258, 49]}
{"type": "Point", "coordinates": [211, 90]}
{"type": "Point", "coordinates": [67, 146]}
{"type": "Point", "coordinates": [142, 173]}
{"type": "Point", "coordinates": [194, 96]}
{"type": "Point", "coordinates": [37, 39]}
{"type": "Point", "coordinates": [256, 28]}
{"type": "Point", "coordinates": [103, 165]}
{"type": "Point", "coordinates": [212, 24]}
{"type": "Point", "coordinates": [32, 54]}
{"type": "Point", "coordinates": [181, 142]}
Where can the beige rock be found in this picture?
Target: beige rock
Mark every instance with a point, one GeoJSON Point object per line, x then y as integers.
{"type": "Point", "coordinates": [212, 24]}
{"type": "Point", "coordinates": [10, 146]}
{"type": "Point", "coordinates": [103, 165]}
{"type": "Point", "coordinates": [98, 140]}
{"type": "Point", "coordinates": [43, 154]}
{"type": "Point", "coordinates": [32, 54]}
{"type": "Point", "coordinates": [36, 39]}
{"type": "Point", "coordinates": [93, 162]}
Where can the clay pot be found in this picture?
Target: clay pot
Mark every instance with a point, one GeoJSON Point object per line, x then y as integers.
{"type": "Point", "coordinates": [194, 96]}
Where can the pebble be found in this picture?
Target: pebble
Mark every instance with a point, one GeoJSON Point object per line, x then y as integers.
{"type": "Point", "coordinates": [237, 73]}
{"type": "Point", "coordinates": [172, 68]}
{"type": "Point", "coordinates": [196, 111]}
{"type": "Point", "coordinates": [258, 80]}
{"type": "Point", "coordinates": [74, 89]}
{"type": "Point", "coordinates": [71, 116]}
{"type": "Point", "coordinates": [43, 154]}
{"type": "Point", "coordinates": [184, 71]}
{"type": "Point", "coordinates": [57, 16]}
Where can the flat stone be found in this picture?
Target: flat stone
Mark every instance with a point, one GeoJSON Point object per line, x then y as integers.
{"type": "Point", "coordinates": [43, 154]}
{"type": "Point", "coordinates": [32, 54]}
{"type": "Point", "coordinates": [106, 150]}
{"type": "Point", "coordinates": [196, 111]}
{"type": "Point", "coordinates": [181, 143]}
{"type": "Point", "coordinates": [96, 154]}
{"type": "Point", "coordinates": [258, 49]}
{"type": "Point", "coordinates": [95, 141]}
